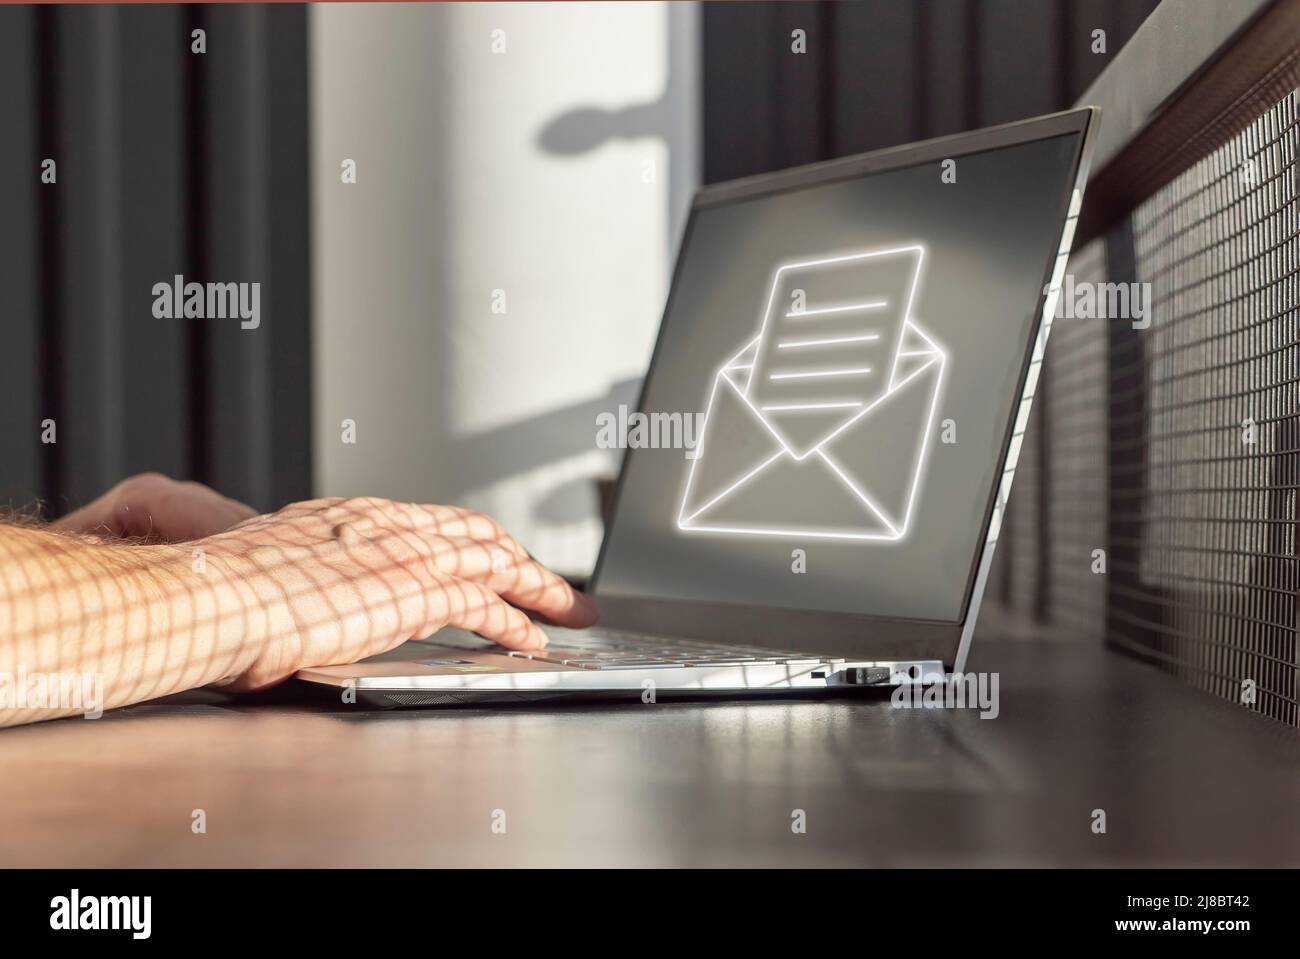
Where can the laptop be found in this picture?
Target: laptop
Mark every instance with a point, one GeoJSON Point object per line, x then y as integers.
{"type": "Point", "coordinates": [825, 440]}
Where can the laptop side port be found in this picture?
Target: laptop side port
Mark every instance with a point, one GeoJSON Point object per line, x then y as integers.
{"type": "Point", "coordinates": [862, 676]}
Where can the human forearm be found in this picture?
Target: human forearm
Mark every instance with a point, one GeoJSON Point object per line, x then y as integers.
{"type": "Point", "coordinates": [130, 622]}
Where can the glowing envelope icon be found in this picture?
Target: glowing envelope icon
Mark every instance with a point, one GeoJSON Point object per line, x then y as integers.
{"type": "Point", "coordinates": [820, 425]}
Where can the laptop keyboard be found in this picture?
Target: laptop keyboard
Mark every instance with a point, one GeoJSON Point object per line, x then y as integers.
{"type": "Point", "coordinates": [618, 650]}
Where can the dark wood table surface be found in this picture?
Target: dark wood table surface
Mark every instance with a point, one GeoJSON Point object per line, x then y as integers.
{"type": "Point", "coordinates": [1183, 778]}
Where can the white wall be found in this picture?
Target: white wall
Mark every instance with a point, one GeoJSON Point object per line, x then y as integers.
{"type": "Point", "coordinates": [558, 171]}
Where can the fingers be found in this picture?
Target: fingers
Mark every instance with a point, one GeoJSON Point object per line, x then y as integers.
{"type": "Point", "coordinates": [524, 582]}
{"type": "Point", "coordinates": [483, 551]}
{"type": "Point", "coordinates": [476, 608]}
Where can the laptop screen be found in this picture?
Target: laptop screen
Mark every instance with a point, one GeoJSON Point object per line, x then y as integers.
{"type": "Point", "coordinates": [826, 415]}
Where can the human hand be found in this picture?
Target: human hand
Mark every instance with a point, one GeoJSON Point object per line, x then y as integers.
{"type": "Point", "coordinates": [333, 581]}
{"type": "Point", "coordinates": [155, 507]}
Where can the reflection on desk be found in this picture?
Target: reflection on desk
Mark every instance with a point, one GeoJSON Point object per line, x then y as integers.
{"type": "Point", "coordinates": [1182, 777]}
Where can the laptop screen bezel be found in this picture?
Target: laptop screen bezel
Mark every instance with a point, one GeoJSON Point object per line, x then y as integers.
{"type": "Point", "coordinates": [857, 634]}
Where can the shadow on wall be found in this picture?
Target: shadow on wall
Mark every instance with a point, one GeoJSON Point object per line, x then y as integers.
{"type": "Point", "coordinates": [583, 129]}
{"type": "Point", "coordinates": [538, 440]}
{"type": "Point", "coordinates": [574, 132]}
{"type": "Point", "coordinates": [557, 435]}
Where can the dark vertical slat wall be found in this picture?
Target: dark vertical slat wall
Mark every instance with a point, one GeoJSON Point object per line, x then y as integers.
{"type": "Point", "coordinates": [874, 55]}
{"type": "Point", "coordinates": [90, 363]}
{"type": "Point", "coordinates": [882, 72]}
{"type": "Point", "coordinates": [799, 136]}
{"type": "Point", "coordinates": [289, 280]}
{"type": "Point", "coordinates": [948, 84]}
{"type": "Point", "coordinates": [169, 162]}
{"type": "Point", "coordinates": [21, 409]}
{"type": "Point", "coordinates": [237, 245]}
{"type": "Point", "coordinates": [740, 86]}
{"type": "Point", "coordinates": [153, 178]}
{"type": "Point", "coordinates": [1021, 67]}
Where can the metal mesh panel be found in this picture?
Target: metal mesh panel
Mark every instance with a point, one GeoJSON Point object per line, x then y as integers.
{"type": "Point", "coordinates": [1176, 446]}
{"type": "Point", "coordinates": [1212, 506]}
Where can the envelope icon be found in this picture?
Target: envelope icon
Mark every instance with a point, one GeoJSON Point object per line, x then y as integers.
{"type": "Point", "coordinates": [807, 432]}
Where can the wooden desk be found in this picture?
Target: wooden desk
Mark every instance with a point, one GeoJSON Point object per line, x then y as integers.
{"type": "Point", "coordinates": [1183, 778]}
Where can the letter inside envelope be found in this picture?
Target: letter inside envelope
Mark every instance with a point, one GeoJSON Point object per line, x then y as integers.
{"type": "Point", "coordinates": [819, 426]}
